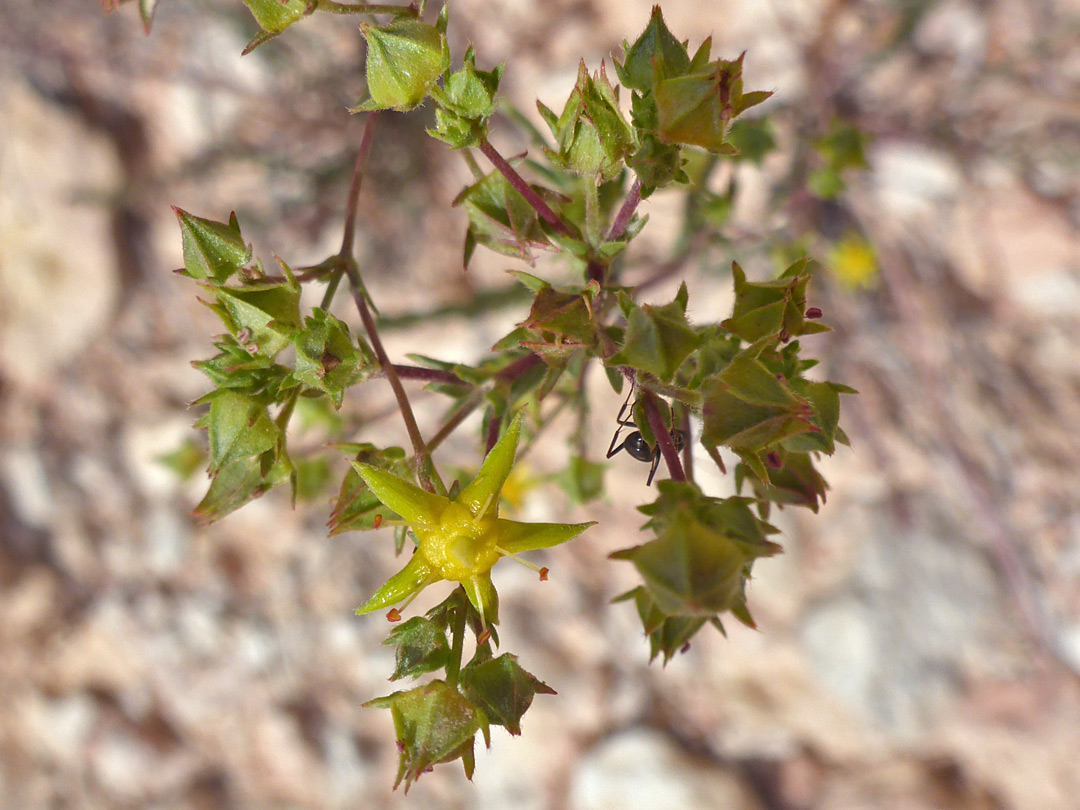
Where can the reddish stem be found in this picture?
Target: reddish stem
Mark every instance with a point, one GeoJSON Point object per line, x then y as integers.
{"type": "Point", "coordinates": [428, 374]}
{"type": "Point", "coordinates": [518, 367]}
{"type": "Point", "coordinates": [525, 190]}
{"type": "Point", "coordinates": [493, 431]}
{"type": "Point", "coordinates": [595, 269]}
{"type": "Point", "coordinates": [626, 212]}
{"type": "Point", "coordinates": [663, 437]}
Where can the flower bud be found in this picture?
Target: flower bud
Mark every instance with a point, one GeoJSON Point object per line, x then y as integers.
{"type": "Point", "coordinates": [404, 60]}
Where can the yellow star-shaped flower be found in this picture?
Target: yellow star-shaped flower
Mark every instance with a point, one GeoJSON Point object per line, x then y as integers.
{"type": "Point", "coordinates": [460, 539]}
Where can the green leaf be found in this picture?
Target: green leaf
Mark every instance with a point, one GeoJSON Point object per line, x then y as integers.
{"type": "Point", "coordinates": [500, 219]}
{"type": "Point", "coordinates": [656, 163]}
{"type": "Point", "coordinates": [567, 315]}
{"type": "Point", "coordinates": [146, 12]}
{"type": "Point", "coordinates": [357, 508]}
{"type": "Point", "coordinates": [591, 135]}
{"type": "Point", "coordinates": [747, 427]}
{"type": "Point", "coordinates": [434, 723]}
{"type": "Point", "coordinates": [239, 482]}
{"type": "Point", "coordinates": [688, 569]}
{"type": "Point", "coordinates": [697, 108]}
{"type": "Point", "coordinates": [698, 564]}
{"type": "Point", "coordinates": [213, 251]}
{"type": "Point", "coordinates": [404, 60]}
{"type": "Point", "coordinates": [747, 378]}
{"type": "Point", "coordinates": [794, 482]}
{"type": "Point", "coordinates": [275, 16]}
{"type": "Point", "coordinates": [769, 308]}
{"type": "Point", "coordinates": [466, 101]}
{"type": "Point", "coordinates": [327, 359]}
{"type": "Point", "coordinates": [239, 428]}
{"type": "Point", "coordinates": [502, 689]}
{"type": "Point", "coordinates": [481, 495]}
{"type": "Point", "coordinates": [421, 647]}
{"type": "Point", "coordinates": [657, 340]}
{"type": "Point", "coordinates": [667, 634]}
{"type": "Point", "coordinates": [416, 506]}
{"type": "Point", "coordinates": [655, 50]}
{"type": "Point", "coordinates": [413, 577]}
{"type": "Point", "coordinates": [262, 315]}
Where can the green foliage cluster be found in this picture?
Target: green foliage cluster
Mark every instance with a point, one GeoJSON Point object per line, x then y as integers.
{"type": "Point", "coordinates": [743, 379]}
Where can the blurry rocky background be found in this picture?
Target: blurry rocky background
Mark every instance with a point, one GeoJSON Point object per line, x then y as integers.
{"type": "Point", "coordinates": [919, 642]}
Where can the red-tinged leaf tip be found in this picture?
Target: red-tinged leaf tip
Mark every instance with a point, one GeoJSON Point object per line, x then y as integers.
{"type": "Point", "coordinates": [393, 615]}
{"type": "Point", "coordinates": [813, 313]}
{"type": "Point", "coordinates": [543, 574]}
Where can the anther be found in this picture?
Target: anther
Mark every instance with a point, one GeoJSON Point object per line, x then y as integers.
{"type": "Point", "coordinates": [393, 615]}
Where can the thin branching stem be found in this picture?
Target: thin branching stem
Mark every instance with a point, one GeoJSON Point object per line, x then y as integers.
{"type": "Point", "coordinates": [426, 473]}
{"type": "Point", "coordinates": [469, 404]}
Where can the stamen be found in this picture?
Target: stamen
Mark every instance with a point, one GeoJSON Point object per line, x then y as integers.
{"type": "Point", "coordinates": [543, 572]}
{"type": "Point", "coordinates": [483, 638]}
{"type": "Point", "coordinates": [395, 613]}
{"type": "Point", "coordinates": [487, 503]}
{"type": "Point", "coordinates": [378, 521]}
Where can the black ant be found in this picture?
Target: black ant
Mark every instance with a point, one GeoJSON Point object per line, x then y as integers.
{"type": "Point", "coordinates": [635, 443]}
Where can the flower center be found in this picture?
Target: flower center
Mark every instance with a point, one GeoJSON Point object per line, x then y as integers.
{"type": "Point", "coordinates": [461, 546]}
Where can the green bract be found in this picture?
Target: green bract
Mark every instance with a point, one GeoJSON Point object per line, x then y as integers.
{"type": "Point", "coordinates": [460, 539]}
{"type": "Point", "coordinates": [404, 60]}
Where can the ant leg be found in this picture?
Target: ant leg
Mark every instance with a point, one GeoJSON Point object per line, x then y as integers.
{"type": "Point", "coordinates": [612, 449]}
{"type": "Point", "coordinates": [655, 464]}
{"type": "Point", "coordinates": [622, 422]}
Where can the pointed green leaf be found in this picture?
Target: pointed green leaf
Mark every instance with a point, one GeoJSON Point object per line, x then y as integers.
{"type": "Point", "coordinates": [239, 429]}
{"type": "Point", "coordinates": [483, 492]}
{"type": "Point", "coordinates": [483, 596]}
{"type": "Point", "coordinates": [518, 537]}
{"type": "Point", "coordinates": [421, 647]}
{"type": "Point", "coordinates": [502, 689]}
{"type": "Point", "coordinates": [418, 507]}
{"type": "Point", "coordinates": [414, 576]}
{"type": "Point", "coordinates": [434, 723]}
{"type": "Point", "coordinates": [277, 15]}
{"type": "Point", "coordinates": [213, 251]}
{"type": "Point", "coordinates": [656, 49]}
